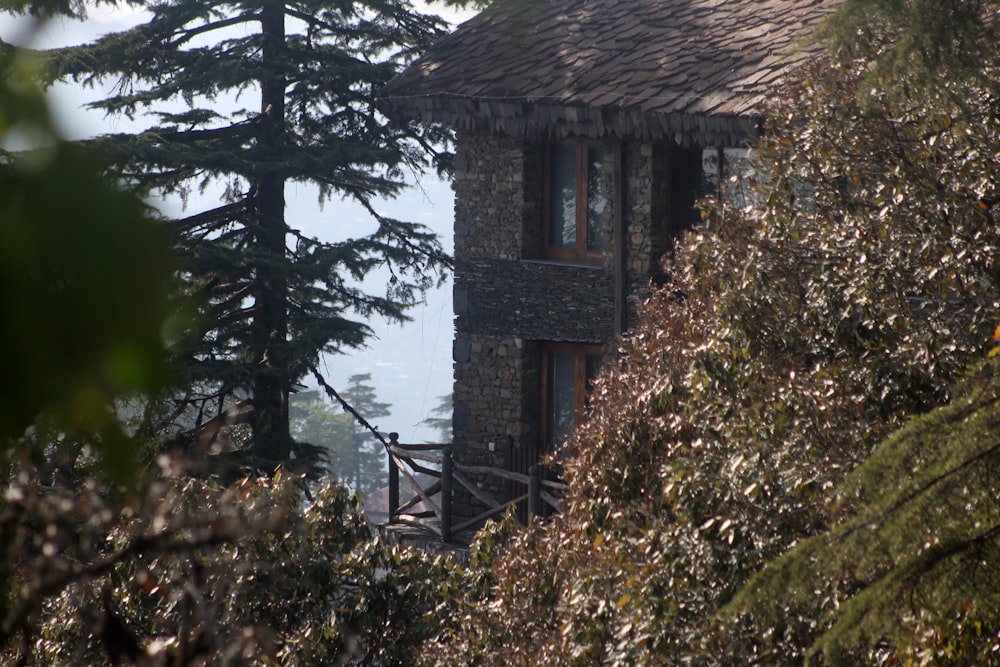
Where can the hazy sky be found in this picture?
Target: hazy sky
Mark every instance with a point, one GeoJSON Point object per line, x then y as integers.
{"type": "Point", "coordinates": [410, 364]}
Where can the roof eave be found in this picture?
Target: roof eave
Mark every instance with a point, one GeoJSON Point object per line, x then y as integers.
{"type": "Point", "coordinates": [550, 119]}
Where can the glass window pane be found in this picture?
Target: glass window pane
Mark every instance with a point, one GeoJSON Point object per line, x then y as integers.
{"type": "Point", "coordinates": [738, 171]}
{"type": "Point", "coordinates": [593, 367]}
{"type": "Point", "coordinates": [560, 396]}
{"type": "Point", "coordinates": [596, 201]}
{"type": "Point", "coordinates": [562, 197]}
{"type": "Point", "coordinates": [710, 170]}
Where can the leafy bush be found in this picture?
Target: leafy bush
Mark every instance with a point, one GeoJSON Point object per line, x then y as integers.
{"type": "Point", "coordinates": [194, 573]}
{"type": "Point", "coordinates": [793, 336]}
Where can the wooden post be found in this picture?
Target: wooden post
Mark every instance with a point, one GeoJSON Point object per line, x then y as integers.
{"type": "Point", "coordinates": [393, 480]}
{"type": "Point", "coordinates": [534, 491]}
{"type": "Point", "coordinates": [620, 241]}
{"type": "Point", "coordinates": [446, 470]}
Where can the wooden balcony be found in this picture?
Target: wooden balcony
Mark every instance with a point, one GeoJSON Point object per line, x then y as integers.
{"type": "Point", "coordinates": [425, 515]}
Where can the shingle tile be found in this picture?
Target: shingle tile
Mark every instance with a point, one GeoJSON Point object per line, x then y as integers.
{"type": "Point", "coordinates": [643, 56]}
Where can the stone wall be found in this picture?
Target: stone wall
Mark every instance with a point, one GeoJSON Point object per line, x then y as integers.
{"type": "Point", "coordinates": [534, 300]}
{"type": "Point", "coordinates": [496, 408]}
{"type": "Point", "coordinates": [489, 197]}
{"type": "Point", "coordinates": [508, 300]}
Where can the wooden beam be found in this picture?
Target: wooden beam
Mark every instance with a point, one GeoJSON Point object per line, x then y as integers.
{"type": "Point", "coordinates": [415, 487]}
{"type": "Point", "coordinates": [483, 496]}
{"type": "Point", "coordinates": [487, 514]}
{"type": "Point", "coordinates": [488, 470]}
{"type": "Point", "coordinates": [422, 523]}
{"type": "Point", "coordinates": [409, 454]}
{"type": "Point", "coordinates": [431, 490]}
{"type": "Point", "coordinates": [420, 448]}
{"type": "Point", "coordinates": [559, 486]}
{"type": "Point", "coordinates": [550, 499]}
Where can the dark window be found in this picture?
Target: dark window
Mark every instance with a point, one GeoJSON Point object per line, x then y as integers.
{"type": "Point", "coordinates": [727, 173]}
{"type": "Point", "coordinates": [575, 202]}
{"type": "Point", "coordinates": [568, 373]}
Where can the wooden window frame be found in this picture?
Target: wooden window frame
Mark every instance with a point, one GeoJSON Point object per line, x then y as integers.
{"type": "Point", "coordinates": [580, 394]}
{"type": "Point", "coordinates": [580, 252]}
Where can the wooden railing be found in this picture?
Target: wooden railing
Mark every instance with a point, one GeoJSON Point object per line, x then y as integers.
{"type": "Point", "coordinates": [410, 460]}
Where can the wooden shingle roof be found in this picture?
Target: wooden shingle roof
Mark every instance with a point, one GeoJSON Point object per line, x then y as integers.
{"type": "Point", "coordinates": [695, 71]}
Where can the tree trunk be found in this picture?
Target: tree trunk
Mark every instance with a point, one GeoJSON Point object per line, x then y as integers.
{"type": "Point", "coordinates": [272, 439]}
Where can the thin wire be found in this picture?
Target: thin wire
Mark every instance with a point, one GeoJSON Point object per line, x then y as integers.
{"type": "Point", "coordinates": [430, 372]}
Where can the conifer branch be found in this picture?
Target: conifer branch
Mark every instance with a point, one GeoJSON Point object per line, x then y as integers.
{"type": "Point", "coordinates": [873, 524]}
{"type": "Point", "coordinates": [190, 33]}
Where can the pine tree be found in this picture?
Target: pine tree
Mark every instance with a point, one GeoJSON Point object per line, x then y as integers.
{"type": "Point", "coordinates": [304, 76]}
{"type": "Point", "coordinates": [441, 422]}
{"type": "Point", "coordinates": [367, 458]}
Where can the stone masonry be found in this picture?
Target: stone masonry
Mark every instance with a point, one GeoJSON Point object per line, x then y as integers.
{"type": "Point", "coordinates": [508, 300]}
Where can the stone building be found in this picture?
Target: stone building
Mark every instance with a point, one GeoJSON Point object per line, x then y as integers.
{"type": "Point", "coordinates": [583, 129]}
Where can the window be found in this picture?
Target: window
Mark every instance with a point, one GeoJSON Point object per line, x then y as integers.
{"type": "Point", "coordinates": [575, 202]}
{"type": "Point", "coordinates": [568, 373]}
{"type": "Point", "coordinates": [727, 172]}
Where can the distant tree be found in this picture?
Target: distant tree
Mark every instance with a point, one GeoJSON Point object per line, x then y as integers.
{"type": "Point", "coordinates": [315, 422]}
{"type": "Point", "coordinates": [253, 97]}
{"type": "Point", "coordinates": [349, 451]}
{"type": "Point", "coordinates": [364, 462]}
{"type": "Point", "coordinates": [442, 422]}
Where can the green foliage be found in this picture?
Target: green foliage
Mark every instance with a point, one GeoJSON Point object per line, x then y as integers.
{"type": "Point", "coordinates": [932, 39]}
{"type": "Point", "coordinates": [84, 274]}
{"type": "Point", "coordinates": [908, 572]}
